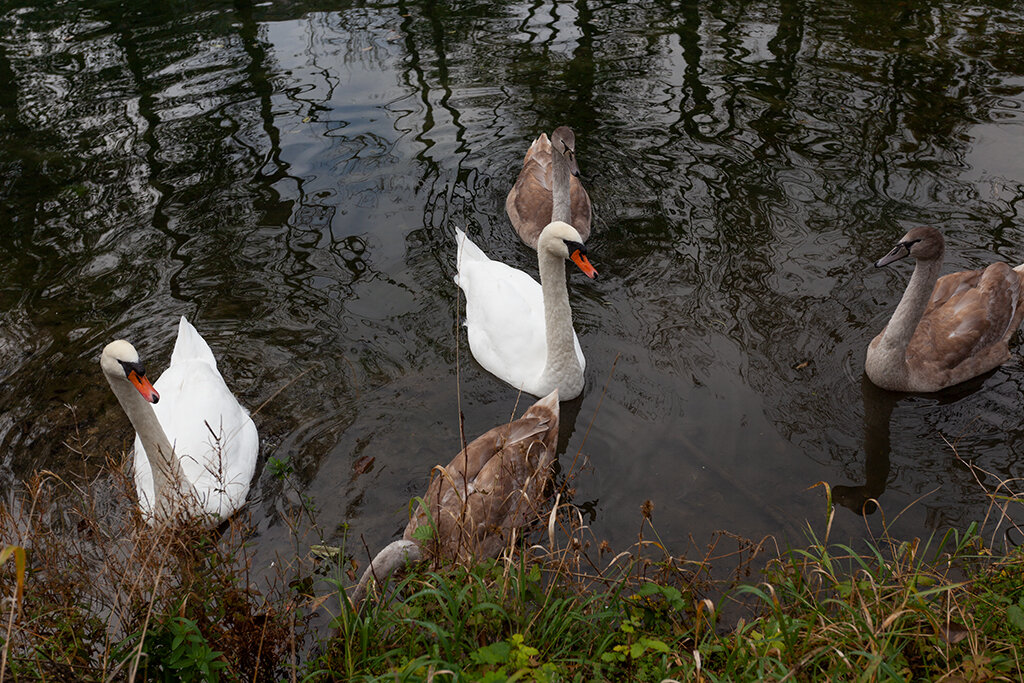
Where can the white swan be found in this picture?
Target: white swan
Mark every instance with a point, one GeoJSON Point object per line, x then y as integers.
{"type": "Point", "coordinates": [548, 188]}
{"type": "Point", "coordinates": [195, 445]}
{"type": "Point", "coordinates": [519, 330]}
{"type": "Point", "coordinates": [945, 331]}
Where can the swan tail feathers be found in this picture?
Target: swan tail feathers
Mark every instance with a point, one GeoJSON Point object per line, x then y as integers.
{"type": "Point", "coordinates": [394, 556]}
{"type": "Point", "coordinates": [526, 427]}
{"type": "Point", "coordinates": [538, 419]}
{"type": "Point", "coordinates": [467, 253]}
{"type": "Point", "coordinates": [539, 146]}
{"type": "Point", "coordinates": [467, 250]}
{"type": "Point", "coordinates": [190, 345]}
{"type": "Point", "coordinates": [549, 402]}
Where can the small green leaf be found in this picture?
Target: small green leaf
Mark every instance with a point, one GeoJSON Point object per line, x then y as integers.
{"type": "Point", "coordinates": [656, 645]}
{"type": "Point", "coordinates": [498, 676]}
{"type": "Point", "coordinates": [1016, 616]}
{"type": "Point", "coordinates": [495, 653]}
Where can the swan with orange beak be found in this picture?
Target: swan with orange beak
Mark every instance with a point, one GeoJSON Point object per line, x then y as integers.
{"type": "Point", "coordinates": [195, 445]}
{"type": "Point", "coordinates": [519, 329]}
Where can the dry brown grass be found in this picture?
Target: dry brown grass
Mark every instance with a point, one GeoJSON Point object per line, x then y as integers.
{"type": "Point", "coordinates": [101, 588]}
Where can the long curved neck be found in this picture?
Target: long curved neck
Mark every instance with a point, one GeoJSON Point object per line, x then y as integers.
{"type": "Point", "coordinates": [558, 330]}
{"type": "Point", "coordinates": [394, 556]}
{"type": "Point", "coordinates": [908, 313]}
{"type": "Point", "coordinates": [170, 487]}
{"type": "Point", "coordinates": [560, 207]}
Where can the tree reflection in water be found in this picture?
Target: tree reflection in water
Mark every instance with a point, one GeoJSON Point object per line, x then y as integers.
{"type": "Point", "coordinates": [288, 175]}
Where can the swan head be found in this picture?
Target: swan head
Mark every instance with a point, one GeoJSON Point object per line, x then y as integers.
{"type": "Point", "coordinates": [924, 243]}
{"type": "Point", "coordinates": [120, 362]}
{"type": "Point", "coordinates": [562, 240]}
{"type": "Point", "coordinates": [563, 141]}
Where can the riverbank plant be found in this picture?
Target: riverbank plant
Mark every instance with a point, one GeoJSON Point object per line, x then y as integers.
{"type": "Point", "coordinates": [104, 597]}
{"type": "Point", "coordinates": [91, 594]}
{"type": "Point", "coordinates": [947, 609]}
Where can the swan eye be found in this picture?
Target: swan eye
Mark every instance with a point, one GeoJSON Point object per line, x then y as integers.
{"type": "Point", "coordinates": [575, 246]}
{"type": "Point", "coordinates": [135, 367]}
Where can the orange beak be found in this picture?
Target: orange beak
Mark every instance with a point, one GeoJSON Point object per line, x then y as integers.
{"type": "Point", "coordinates": [581, 261]}
{"type": "Point", "coordinates": [144, 386]}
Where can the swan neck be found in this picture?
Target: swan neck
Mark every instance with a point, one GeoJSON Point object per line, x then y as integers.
{"type": "Point", "coordinates": [561, 351]}
{"type": "Point", "coordinates": [169, 483]}
{"type": "Point", "coordinates": [907, 315]}
{"type": "Point", "coordinates": [394, 556]}
{"type": "Point", "coordinates": [560, 173]}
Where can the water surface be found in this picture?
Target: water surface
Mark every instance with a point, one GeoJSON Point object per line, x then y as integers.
{"type": "Point", "coordinates": [289, 175]}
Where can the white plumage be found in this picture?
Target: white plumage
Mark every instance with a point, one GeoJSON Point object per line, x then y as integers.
{"type": "Point", "coordinates": [519, 330]}
{"type": "Point", "coordinates": [212, 437]}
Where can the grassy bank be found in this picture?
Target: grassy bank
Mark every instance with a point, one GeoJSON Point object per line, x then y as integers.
{"type": "Point", "coordinates": [910, 611]}
{"type": "Point", "coordinates": [92, 595]}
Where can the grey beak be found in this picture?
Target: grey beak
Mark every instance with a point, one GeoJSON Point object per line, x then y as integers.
{"type": "Point", "coordinates": [899, 251]}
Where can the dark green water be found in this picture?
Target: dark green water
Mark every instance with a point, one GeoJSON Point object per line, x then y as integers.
{"type": "Point", "coordinates": [288, 175]}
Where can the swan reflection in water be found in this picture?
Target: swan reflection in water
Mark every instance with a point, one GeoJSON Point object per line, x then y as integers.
{"type": "Point", "coordinates": [878, 407]}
